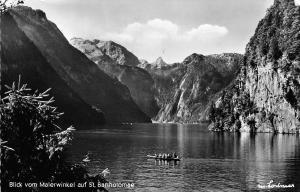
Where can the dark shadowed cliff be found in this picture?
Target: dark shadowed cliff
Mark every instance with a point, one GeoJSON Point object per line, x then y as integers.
{"type": "Point", "coordinates": [265, 97]}
{"type": "Point", "coordinates": [58, 63]}
{"type": "Point", "coordinates": [20, 56]}
{"type": "Point", "coordinates": [184, 90]}
{"type": "Point", "coordinates": [120, 64]}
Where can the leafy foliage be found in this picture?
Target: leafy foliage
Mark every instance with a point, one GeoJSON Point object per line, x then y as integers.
{"type": "Point", "coordinates": [277, 34]}
{"type": "Point", "coordinates": [231, 105]}
{"type": "Point", "coordinates": [276, 42]}
{"type": "Point", "coordinates": [34, 145]}
{"type": "Point", "coordinates": [5, 4]}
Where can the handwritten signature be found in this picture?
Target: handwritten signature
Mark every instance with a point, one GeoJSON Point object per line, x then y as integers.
{"type": "Point", "coordinates": [272, 185]}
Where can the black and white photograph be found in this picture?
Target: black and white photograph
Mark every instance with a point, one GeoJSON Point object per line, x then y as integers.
{"type": "Point", "coordinates": [150, 95]}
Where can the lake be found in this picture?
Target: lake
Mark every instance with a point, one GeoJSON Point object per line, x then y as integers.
{"type": "Point", "coordinates": [210, 161]}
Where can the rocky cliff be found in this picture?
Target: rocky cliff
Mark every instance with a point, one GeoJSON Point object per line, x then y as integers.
{"type": "Point", "coordinates": [265, 96]}
{"type": "Point", "coordinates": [20, 56]}
{"type": "Point", "coordinates": [75, 70]}
{"type": "Point", "coordinates": [117, 52]}
{"type": "Point", "coordinates": [119, 63]}
{"type": "Point", "coordinates": [184, 90]}
{"type": "Point", "coordinates": [157, 64]}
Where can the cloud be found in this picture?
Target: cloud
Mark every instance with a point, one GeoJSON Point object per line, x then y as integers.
{"type": "Point", "coordinates": [297, 2]}
{"type": "Point", "coordinates": [159, 37]}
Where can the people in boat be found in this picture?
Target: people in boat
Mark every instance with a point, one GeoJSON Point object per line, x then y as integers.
{"type": "Point", "coordinates": [175, 155]}
{"type": "Point", "coordinates": [166, 155]}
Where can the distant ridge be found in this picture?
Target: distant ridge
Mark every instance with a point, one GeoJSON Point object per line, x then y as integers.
{"type": "Point", "coordinates": [184, 90]}
{"type": "Point", "coordinates": [119, 63]}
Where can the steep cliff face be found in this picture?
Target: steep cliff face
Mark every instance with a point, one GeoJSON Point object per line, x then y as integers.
{"type": "Point", "coordinates": [269, 79]}
{"type": "Point", "coordinates": [19, 56]}
{"type": "Point", "coordinates": [80, 74]}
{"type": "Point", "coordinates": [184, 89]}
{"type": "Point", "coordinates": [139, 82]}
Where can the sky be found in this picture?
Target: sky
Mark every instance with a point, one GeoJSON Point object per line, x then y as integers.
{"type": "Point", "coordinates": [171, 29]}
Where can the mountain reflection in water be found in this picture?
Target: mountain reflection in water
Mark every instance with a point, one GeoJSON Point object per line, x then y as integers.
{"type": "Point", "coordinates": [211, 161]}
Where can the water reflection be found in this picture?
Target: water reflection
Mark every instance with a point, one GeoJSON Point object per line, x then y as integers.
{"type": "Point", "coordinates": [172, 164]}
{"type": "Point", "coordinates": [268, 157]}
{"type": "Point", "coordinates": [211, 161]}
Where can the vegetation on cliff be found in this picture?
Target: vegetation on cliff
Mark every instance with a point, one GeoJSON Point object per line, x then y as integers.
{"type": "Point", "coordinates": [268, 83]}
{"type": "Point", "coordinates": [6, 4]}
{"type": "Point", "coordinates": [226, 111]}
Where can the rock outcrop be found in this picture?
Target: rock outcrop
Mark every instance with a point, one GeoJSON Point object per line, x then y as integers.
{"type": "Point", "coordinates": [75, 70]}
{"type": "Point", "coordinates": [120, 64]}
{"type": "Point", "coordinates": [184, 90]}
{"type": "Point", "coordinates": [96, 49]}
{"type": "Point", "coordinates": [144, 64]}
{"type": "Point", "coordinates": [265, 96]}
{"type": "Point", "coordinates": [157, 64]}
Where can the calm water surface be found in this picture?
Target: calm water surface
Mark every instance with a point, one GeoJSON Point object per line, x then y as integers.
{"type": "Point", "coordinates": [211, 161]}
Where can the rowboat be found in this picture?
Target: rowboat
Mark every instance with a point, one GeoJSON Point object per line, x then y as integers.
{"type": "Point", "coordinates": [162, 159]}
{"type": "Point", "coordinates": [86, 160]}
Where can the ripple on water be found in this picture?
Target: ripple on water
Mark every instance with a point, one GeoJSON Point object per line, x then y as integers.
{"type": "Point", "coordinates": [211, 162]}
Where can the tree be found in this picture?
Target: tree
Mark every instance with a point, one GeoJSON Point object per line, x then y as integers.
{"type": "Point", "coordinates": [6, 4]}
{"type": "Point", "coordinates": [32, 144]}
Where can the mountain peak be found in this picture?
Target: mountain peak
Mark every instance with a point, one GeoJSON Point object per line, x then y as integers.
{"type": "Point", "coordinates": [31, 13]}
{"type": "Point", "coordinates": [159, 62]}
{"type": "Point", "coordinates": [118, 53]}
{"type": "Point", "coordinates": [194, 58]}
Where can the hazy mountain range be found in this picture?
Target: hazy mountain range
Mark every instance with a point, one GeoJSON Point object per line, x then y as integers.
{"type": "Point", "coordinates": [95, 81]}
{"type": "Point", "coordinates": [181, 90]}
